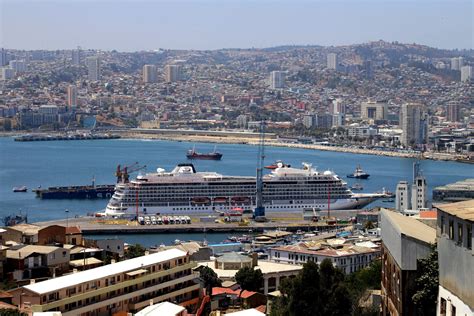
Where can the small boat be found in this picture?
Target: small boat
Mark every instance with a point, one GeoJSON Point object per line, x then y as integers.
{"type": "Point", "coordinates": [277, 164]}
{"type": "Point", "coordinates": [193, 154]}
{"type": "Point", "coordinates": [357, 187]}
{"type": "Point", "coordinates": [12, 220]}
{"type": "Point", "coordinates": [20, 189]}
{"type": "Point", "coordinates": [359, 174]}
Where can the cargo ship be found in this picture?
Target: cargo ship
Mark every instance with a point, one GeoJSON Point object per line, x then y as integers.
{"type": "Point", "coordinates": [92, 191]}
{"type": "Point", "coordinates": [193, 154]}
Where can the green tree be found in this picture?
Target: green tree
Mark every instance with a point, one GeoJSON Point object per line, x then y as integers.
{"type": "Point", "coordinates": [134, 251]}
{"type": "Point", "coordinates": [249, 279]}
{"type": "Point", "coordinates": [11, 312]}
{"type": "Point", "coordinates": [209, 278]}
{"type": "Point", "coordinates": [426, 284]}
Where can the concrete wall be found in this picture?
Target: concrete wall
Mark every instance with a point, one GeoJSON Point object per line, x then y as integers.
{"type": "Point", "coordinates": [452, 300]}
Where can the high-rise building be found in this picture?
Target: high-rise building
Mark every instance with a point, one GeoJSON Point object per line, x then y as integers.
{"type": "Point", "coordinates": [173, 73]}
{"type": "Point", "coordinates": [277, 79]}
{"type": "Point", "coordinates": [452, 111]}
{"type": "Point", "coordinates": [419, 194]}
{"type": "Point", "coordinates": [457, 63]}
{"type": "Point", "coordinates": [402, 196]}
{"type": "Point", "coordinates": [375, 110]}
{"type": "Point", "coordinates": [455, 258]}
{"type": "Point", "coordinates": [467, 73]}
{"type": "Point", "coordinates": [3, 57]}
{"type": "Point", "coordinates": [93, 68]}
{"type": "Point", "coordinates": [338, 107]}
{"type": "Point", "coordinates": [242, 120]}
{"type": "Point", "coordinates": [149, 73]}
{"type": "Point", "coordinates": [6, 73]}
{"type": "Point", "coordinates": [414, 124]}
{"type": "Point", "coordinates": [18, 66]}
{"type": "Point", "coordinates": [309, 120]}
{"type": "Point", "coordinates": [72, 96]}
{"type": "Point", "coordinates": [338, 119]}
{"type": "Point", "coordinates": [332, 61]}
{"type": "Point", "coordinates": [76, 56]}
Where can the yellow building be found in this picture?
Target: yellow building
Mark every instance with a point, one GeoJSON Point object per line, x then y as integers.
{"type": "Point", "coordinates": [126, 286]}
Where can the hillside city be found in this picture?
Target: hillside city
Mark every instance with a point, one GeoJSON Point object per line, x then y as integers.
{"type": "Point", "coordinates": [299, 241]}
{"type": "Point", "coordinates": [379, 95]}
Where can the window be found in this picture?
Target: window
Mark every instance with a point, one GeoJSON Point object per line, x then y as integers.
{"type": "Point", "coordinates": [459, 242]}
{"type": "Point", "coordinates": [469, 235]}
{"type": "Point", "coordinates": [451, 229]}
{"type": "Point", "coordinates": [442, 224]}
{"type": "Point", "coordinates": [453, 310]}
{"type": "Point", "coordinates": [442, 308]}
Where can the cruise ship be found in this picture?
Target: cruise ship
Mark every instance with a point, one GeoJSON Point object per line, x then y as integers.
{"type": "Point", "coordinates": [184, 190]}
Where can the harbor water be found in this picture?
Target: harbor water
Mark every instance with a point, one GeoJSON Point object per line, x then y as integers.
{"type": "Point", "coordinates": [61, 163]}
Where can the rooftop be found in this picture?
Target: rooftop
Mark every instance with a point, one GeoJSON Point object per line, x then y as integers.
{"type": "Point", "coordinates": [411, 227]}
{"type": "Point", "coordinates": [27, 250]}
{"type": "Point", "coordinates": [463, 210]}
{"type": "Point", "coordinates": [104, 271]}
{"type": "Point", "coordinates": [264, 266]}
{"type": "Point", "coordinates": [233, 257]}
{"type": "Point", "coordinates": [464, 185]}
{"type": "Point", "coordinates": [164, 309]}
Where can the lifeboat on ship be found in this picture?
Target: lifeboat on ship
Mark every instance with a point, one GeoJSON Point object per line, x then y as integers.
{"type": "Point", "coordinates": [220, 200]}
{"type": "Point", "coordinates": [200, 200]}
{"type": "Point", "coordinates": [240, 199]}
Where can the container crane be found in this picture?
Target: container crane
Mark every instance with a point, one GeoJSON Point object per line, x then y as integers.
{"type": "Point", "coordinates": [123, 174]}
{"type": "Point", "coordinates": [259, 212]}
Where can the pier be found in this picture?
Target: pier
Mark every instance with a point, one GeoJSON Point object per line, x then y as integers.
{"type": "Point", "coordinates": [42, 137]}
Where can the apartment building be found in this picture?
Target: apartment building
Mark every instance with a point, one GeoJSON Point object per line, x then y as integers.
{"type": "Point", "coordinates": [456, 258]}
{"type": "Point", "coordinates": [126, 286]}
{"type": "Point", "coordinates": [404, 241]}
{"type": "Point", "coordinates": [349, 258]}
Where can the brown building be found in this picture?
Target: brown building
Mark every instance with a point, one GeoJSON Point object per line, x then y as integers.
{"type": "Point", "coordinates": [404, 241]}
{"type": "Point", "coordinates": [21, 234]}
{"type": "Point", "coordinates": [56, 234]}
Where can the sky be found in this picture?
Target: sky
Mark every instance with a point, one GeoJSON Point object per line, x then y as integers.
{"type": "Point", "coordinates": [214, 24]}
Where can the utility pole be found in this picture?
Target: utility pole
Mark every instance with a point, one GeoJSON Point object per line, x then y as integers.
{"type": "Point", "coordinates": [259, 212]}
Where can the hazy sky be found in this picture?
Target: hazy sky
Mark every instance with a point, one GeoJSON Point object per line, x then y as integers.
{"type": "Point", "coordinates": [211, 24]}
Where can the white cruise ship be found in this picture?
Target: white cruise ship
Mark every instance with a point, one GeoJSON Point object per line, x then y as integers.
{"type": "Point", "coordinates": [183, 190]}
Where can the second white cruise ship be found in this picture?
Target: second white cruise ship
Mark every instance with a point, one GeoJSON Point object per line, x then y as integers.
{"type": "Point", "coordinates": [183, 190]}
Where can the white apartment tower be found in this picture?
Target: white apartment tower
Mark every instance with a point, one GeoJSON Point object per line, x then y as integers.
{"type": "Point", "coordinates": [172, 73]}
{"type": "Point", "coordinates": [414, 124]}
{"type": "Point", "coordinates": [277, 79]}
{"type": "Point", "coordinates": [93, 68]}
{"type": "Point", "coordinates": [76, 56]}
{"type": "Point", "coordinates": [467, 73]}
{"type": "Point", "coordinates": [457, 63]}
{"type": "Point", "coordinates": [149, 73]}
{"type": "Point", "coordinates": [72, 96]}
{"type": "Point", "coordinates": [332, 61]}
{"type": "Point", "coordinates": [402, 196]}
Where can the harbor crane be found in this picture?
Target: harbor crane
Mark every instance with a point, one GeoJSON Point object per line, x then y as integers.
{"type": "Point", "coordinates": [259, 212]}
{"type": "Point", "coordinates": [123, 174]}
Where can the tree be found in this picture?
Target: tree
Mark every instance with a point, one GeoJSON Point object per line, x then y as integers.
{"type": "Point", "coordinates": [11, 312]}
{"type": "Point", "coordinates": [134, 251]}
{"type": "Point", "coordinates": [249, 279]}
{"type": "Point", "coordinates": [209, 278]}
{"type": "Point", "coordinates": [426, 284]}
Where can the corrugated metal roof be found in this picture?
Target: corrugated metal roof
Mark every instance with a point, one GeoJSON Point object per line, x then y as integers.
{"type": "Point", "coordinates": [102, 272]}
{"type": "Point", "coordinates": [463, 210]}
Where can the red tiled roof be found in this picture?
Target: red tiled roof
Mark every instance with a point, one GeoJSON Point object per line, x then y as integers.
{"type": "Point", "coordinates": [4, 294]}
{"type": "Point", "coordinates": [73, 230]}
{"type": "Point", "coordinates": [262, 309]}
{"type": "Point", "coordinates": [4, 305]}
{"type": "Point", "coordinates": [223, 290]}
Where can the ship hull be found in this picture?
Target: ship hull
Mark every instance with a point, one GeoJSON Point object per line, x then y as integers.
{"type": "Point", "coordinates": [204, 156]}
{"type": "Point", "coordinates": [84, 192]}
{"type": "Point", "coordinates": [274, 206]}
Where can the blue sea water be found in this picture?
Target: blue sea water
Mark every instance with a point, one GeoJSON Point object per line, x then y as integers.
{"type": "Point", "coordinates": [59, 163]}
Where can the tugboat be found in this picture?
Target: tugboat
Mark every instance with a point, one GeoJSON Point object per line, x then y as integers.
{"type": "Point", "coordinates": [193, 154]}
{"type": "Point", "coordinates": [20, 189]}
{"type": "Point", "coordinates": [277, 164]}
{"type": "Point", "coordinates": [359, 174]}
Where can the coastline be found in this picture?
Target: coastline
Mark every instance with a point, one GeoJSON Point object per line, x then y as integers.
{"type": "Point", "coordinates": [127, 134]}
{"type": "Point", "coordinates": [254, 142]}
